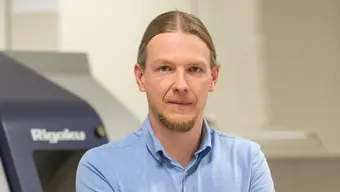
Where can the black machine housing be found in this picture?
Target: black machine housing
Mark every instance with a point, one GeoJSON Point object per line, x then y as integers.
{"type": "Point", "coordinates": [44, 130]}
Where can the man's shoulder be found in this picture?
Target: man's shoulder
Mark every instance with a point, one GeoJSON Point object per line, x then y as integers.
{"type": "Point", "coordinates": [246, 158]}
{"type": "Point", "coordinates": [239, 147]}
{"type": "Point", "coordinates": [99, 165]}
{"type": "Point", "coordinates": [114, 150]}
{"type": "Point", "coordinates": [230, 141]}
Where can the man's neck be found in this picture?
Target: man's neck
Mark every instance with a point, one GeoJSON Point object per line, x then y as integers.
{"type": "Point", "coordinates": [179, 146]}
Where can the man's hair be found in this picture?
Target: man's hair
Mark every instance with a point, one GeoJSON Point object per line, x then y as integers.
{"type": "Point", "coordinates": [175, 21]}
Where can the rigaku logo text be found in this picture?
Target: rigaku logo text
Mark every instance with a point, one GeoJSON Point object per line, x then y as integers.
{"type": "Point", "coordinates": [54, 137]}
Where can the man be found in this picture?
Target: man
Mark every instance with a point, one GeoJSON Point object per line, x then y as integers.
{"type": "Point", "coordinates": [175, 150]}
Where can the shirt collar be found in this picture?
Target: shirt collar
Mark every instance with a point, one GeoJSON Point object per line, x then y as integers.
{"type": "Point", "coordinates": [156, 148]}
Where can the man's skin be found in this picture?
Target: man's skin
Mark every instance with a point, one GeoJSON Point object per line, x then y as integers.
{"type": "Point", "coordinates": [177, 79]}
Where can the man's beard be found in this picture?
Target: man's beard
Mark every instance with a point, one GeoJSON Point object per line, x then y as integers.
{"type": "Point", "coordinates": [177, 126]}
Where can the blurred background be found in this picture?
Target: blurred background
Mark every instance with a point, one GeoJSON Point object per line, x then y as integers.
{"type": "Point", "coordinates": [280, 69]}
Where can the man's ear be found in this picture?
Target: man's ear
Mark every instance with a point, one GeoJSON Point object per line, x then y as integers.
{"type": "Point", "coordinates": [139, 75]}
{"type": "Point", "coordinates": [214, 74]}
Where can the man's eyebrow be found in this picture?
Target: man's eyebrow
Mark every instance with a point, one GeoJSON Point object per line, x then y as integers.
{"type": "Point", "coordinates": [162, 61]}
{"type": "Point", "coordinates": [198, 63]}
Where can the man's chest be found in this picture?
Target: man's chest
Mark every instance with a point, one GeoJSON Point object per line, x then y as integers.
{"type": "Point", "coordinates": [203, 179]}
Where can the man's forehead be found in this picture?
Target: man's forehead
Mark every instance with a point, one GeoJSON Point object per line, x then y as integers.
{"type": "Point", "coordinates": [179, 39]}
{"type": "Point", "coordinates": [177, 48]}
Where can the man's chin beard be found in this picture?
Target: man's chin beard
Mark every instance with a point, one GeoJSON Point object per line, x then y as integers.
{"type": "Point", "coordinates": [176, 126]}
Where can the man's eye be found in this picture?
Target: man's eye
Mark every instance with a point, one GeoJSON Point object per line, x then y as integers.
{"type": "Point", "coordinates": [164, 68]}
{"type": "Point", "coordinates": [195, 69]}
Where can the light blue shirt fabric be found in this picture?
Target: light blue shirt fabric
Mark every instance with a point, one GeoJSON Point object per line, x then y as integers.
{"type": "Point", "coordinates": [138, 163]}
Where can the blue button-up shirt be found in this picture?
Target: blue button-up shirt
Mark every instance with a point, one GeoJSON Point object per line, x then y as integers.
{"type": "Point", "coordinates": [138, 163]}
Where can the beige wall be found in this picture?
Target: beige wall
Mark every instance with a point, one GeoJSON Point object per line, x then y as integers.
{"type": "Point", "coordinates": [28, 30]}
{"type": "Point", "coordinates": [279, 63]}
{"type": "Point", "coordinates": [240, 99]}
{"type": "Point", "coordinates": [2, 25]}
{"type": "Point", "coordinates": [306, 175]}
{"type": "Point", "coordinates": [301, 57]}
{"type": "Point", "coordinates": [3, 181]}
{"type": "Point", "coordinates": [34, 31]}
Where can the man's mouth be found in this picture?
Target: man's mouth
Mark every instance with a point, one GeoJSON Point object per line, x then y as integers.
{"type": "Point", "coordinates": [181, 103]}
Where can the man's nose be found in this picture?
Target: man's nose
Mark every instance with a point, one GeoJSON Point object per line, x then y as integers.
{"type": "Point", "coordinates": [180, 84]}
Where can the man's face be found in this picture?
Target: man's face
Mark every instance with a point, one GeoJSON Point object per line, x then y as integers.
{"type": "Point", "coordinates": [177, 79]}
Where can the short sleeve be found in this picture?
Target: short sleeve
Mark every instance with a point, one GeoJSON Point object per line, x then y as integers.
{"type": "Point", "coordinates": [90, 179]}
{"type": "Point", "coordinates": [261, 179]}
